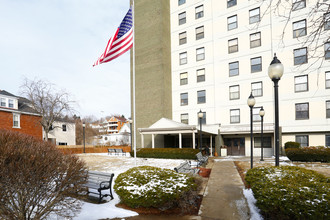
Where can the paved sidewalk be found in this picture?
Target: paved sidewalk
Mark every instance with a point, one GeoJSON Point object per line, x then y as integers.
{"type": "Point", "coordinates": [223, 197]}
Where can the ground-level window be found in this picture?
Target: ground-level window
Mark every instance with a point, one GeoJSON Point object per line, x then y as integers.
{"type": "Point", "coordinates": [16, 120]}
{"type": "Point", "coordinates": [302, 140]}
{"type": "Point", "coordinates": [267, 142]}
{"type": "Point", "coordinates": [327, 140]}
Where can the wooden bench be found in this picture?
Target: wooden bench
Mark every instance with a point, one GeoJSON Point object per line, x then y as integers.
{"type": "Point", "coordinates": [116, 151]}
{"type": "Point", "coordinates": [186, 168]}
{"type": "Point", "coordinates": [99, 181]}
{"type": "Point", "coordinates": [201, 159]}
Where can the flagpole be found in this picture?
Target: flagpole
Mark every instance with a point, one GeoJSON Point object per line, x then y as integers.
{"type": "Point", "coordinates": [134, 118]}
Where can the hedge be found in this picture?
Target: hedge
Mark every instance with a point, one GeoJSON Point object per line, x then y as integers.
{"type": "Point", "coordinates": [147, 186]}
{"type": "Point", "coordinates": [309, 154]}
{"type": "Point", "coordinates": [290, 192]}
{"type": "Point", "coordinates": [167, 153]}
{"type": "Point", "coordinates": [291, 144]}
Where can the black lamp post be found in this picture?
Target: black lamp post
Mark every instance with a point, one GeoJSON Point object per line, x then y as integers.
{"type": "Point", "coordinates": [200, 116]}
{"type": "Point", "coordinates": [84, 135]}
{"type": "Point", "coordinates": [262, 114]}
{"type": "Point", "coordinates": [275, 72]}
{"type": "Point", "coordinates": [251, 102]}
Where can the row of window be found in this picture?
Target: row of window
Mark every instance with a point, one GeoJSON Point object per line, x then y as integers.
{"type": "Point", "coordinates": [5, 103]}
{"type": "Point", "coordinates": [304, 140]}
{"type": "Point", "coordinates": [185, 118]}
{"type": "Point", "coordinates": [296, 4]}
{"type": "Point", "coordinates": [302, 112]}
{"type": "Point", "coordinates": [200, 55]}
{"type": "Point", "coordinates": [256, 89]}
{"type": "Point", "coordinates": [199, 13]}
{"type": "Point", "coordinates": [201, 98]}
{"type": "Point", "coordinates": [200, 77]}
{"type": "Point", "coordinates": [255, 66]}
{"type": "Point", "coordinates": [199, 33]}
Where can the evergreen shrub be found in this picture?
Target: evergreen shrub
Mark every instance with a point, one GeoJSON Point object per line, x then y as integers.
{"type": "Point", "coordinates": [291, 144]}
{"type": "Point", "coordinates": [290, 192]}
{"type": "Point", "coordinates": [147, 186]}
{"type": "Point", "coordinates": [167, 153]}
{"type": "Point", "coordinates": [309, 154]}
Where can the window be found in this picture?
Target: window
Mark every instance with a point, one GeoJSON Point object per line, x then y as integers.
{"type": "Point", "coordinates": [233, 92]}
{"type": "Point", "coordinates": [254, 15]}
{"type": "Point", "coordinates": [16, 120]}
{"type": "Point", "coordinates": [256, 65]}
{"type": "Point", "coordinates": [255, 40]}
{"type": "Point", "coordinates": [301, 83]}
{"type": "Point", "coordinates": [255, 114]}
{"type": "Point", "coordinates": [234, 116]}
{"type": "Point", "coordinates": [11, 103]}
{"type": "Point", "coordinates": [298, 4]}
{"type": "Point", "coordinates": [200, 75]}
{"type": "Point", "coordinates": [184, 98]}
{"type": "Point", "coordinates": [327, 140]}
{"type": "Point", "coordinates": [200, 54]}
{"type": "Point", "coordinates": [182, 38]}
{"type": "Point", "coordinates": [299, 28]}
{"type": "Point", "coordinates": [302, 140]}
{"type": "Point", "coordinates": [267, 142]}
{"type": "Point", "coordinates": [183, 79]}
{"type": "Point", "coordinates": [327, 103]}
{"type": "Point", "coordinates": [201, 97]}
{"type": "Point", "coordinates": [233, 45]}
{"type": "Point", "coordinates": [181, 2]}
{"type": "Point", "coordinates": [256, 89]}
{"type": "Point", "coordinates": [199, 12]}
{"type": "Point", "coordinates": [231, 3]}
{"type": "Point", "coordinates": [185, 118]}
{"type": "Point", "coordinates": [327, 80]}
{"type": "Point", "coordinates": [327, 21]}
{"type": "Point", "coordinates": [200, 33]}
{"type": "Point", "coordinates": [232, 22]}
{"type": "Point", "coordinates": [203, 119]}
{"type": "Point", "coordinates": [302, 111]}
{"type": "Point", "coordinates": [327, 50]}
{"type": "Point", "coordinates": [233, 68]}
{"type": "Point", "coordinates": [63, 127]}
{"type": "Point", "coordinates": [182, 18]}
{"type": "Point", "coordinates": [300, 56]}
{"type": "Point", "coordinates": [183, 58]}
{"type": "Point", "coordinates": [3, 102]}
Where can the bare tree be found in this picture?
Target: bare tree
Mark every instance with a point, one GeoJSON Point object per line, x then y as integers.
{"type": "Point", "coordinates": [318, 17]}
{"type": "Point", "coordinates": [47, 101]}
{"type": "Point", "coordinates": [89, 131]}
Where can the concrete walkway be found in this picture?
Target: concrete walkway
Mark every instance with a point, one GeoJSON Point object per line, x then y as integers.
{"type": "Point", "coordinates": [223, 197]}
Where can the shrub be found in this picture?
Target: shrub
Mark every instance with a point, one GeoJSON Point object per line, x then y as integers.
{"type": "Point", "coordinates": [309, 154]}
{"type": "Point", "coordinates": [36, 180]}
{"type": "Point", "coordinates": [290, 192]}
{"type": "Point", "coordinates": [147, 186]}
{"type": "Point", "coordinates": [291, 144]}
{"type": "Point", "coordinates": [167, 153]}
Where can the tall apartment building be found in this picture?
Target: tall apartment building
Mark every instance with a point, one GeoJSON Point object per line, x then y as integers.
{"type": "Point", "coordinates": [220, 53]}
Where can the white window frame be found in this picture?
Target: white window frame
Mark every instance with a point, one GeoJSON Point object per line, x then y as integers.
{"type": "Point", "coordinates": [233, 70]}
{"type": "Point", "coordinates": [255, 40]}
{"type": "Point", "coordinates": [299, 28]}
{"type": "Point", "coordinates": [10, 103]}
{"type": "Point", "coordinates": [256, 89]}
{"type": "Point", "coordinates": [327, 108]}
{"type": "Point", "coordinates": [184, 99]}
{"type": "Point", "coordinates": [300, 56]}
{"type": "Point", "coordinates": [182, 18]}
{"type": "Point", "coordinates": [3, 102]}
{"type": "Point", "coordinates": [183, 58]}
{"type": "Point", "coordinates": [255, 114]}
{"type": "Point", "coordinates": [233, 45]}
{"type": "Point", "coordinates": [302, 144]}
{"type": "Point", "coordinates": [256, 66]}
{"type": "Point", "coordinates": [298, 4]}
{"type": "Point", "coordinates": [16, 118]}
{"type": "Point", "coordinates": [327, 80]}
{"type": "Point", "coordinates": [199, 32]}
{"type": "Point", "coordinates": [184, 118]}
{"type": "Point", "coordinates": [232, 22]}
{"type": "Point", "coordinates": [183, 78]}
{"type": "Point", "coordinates": [299, 109]}
{"type": "Point", "coordinates": [301, 83]}
{"type": "Point", "coordinates": [254, 15]}
{"type": "Point", "coordinates": [201, 97]}
{"type": "Point", "coordinates": [234, 92]}
{"type": "Point", "coordinates": [182, 38]}
{"type": "Point", "coordinates": [234, 116]}
{"type": "Point", "coordinates": [200, 54]}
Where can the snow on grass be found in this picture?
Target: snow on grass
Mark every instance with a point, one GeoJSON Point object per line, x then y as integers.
{"type": "Point", "coordinates": [116, 165]}
{"type": "Point", "coordinates": [254, 211]}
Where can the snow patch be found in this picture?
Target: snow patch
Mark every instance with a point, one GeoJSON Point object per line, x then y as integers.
{"type": "Point", "coordinates": [254, 211]}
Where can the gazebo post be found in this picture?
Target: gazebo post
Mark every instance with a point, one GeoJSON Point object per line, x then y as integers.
{"type": "Point", "coordinates": [180, 140]}
{"type": "Point", "coordinates": [193, 139]}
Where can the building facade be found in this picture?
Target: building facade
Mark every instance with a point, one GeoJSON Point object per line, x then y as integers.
{"type": "Point", "coordinates": [220, 53]}
{"type": "Point", "coordinates": [63, 132]}
{"type": "Point", "coordinates": [16, 115]}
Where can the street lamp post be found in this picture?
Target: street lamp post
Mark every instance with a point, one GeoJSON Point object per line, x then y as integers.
{"type": "Point", "coordinates": [200, 116]}
{"type": "Point", "coordinates": [275, 72]}
{"type": "Point", "coordinates": [262, 114]}
{"type": "Point", "coordinates": [84, 136]}
{"type": "Point", "coordinates": [251, 102]}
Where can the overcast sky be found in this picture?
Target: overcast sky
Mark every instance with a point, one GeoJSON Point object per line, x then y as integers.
{"type": "Point", "coordinates": [58, 41]}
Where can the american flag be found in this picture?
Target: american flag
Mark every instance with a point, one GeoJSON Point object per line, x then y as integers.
{"type": "Point", "coordinates": [120, 42]}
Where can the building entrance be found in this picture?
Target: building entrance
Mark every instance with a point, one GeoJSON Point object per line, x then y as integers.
{"type": "Point", "coordinates": [235, 146]}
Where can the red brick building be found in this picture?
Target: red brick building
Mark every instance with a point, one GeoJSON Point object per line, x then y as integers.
{"type": "Point", "coordinates": [17, 115]}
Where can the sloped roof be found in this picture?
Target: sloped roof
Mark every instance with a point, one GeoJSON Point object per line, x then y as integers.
{"type": "Point", "coordinates": [4, 92]}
